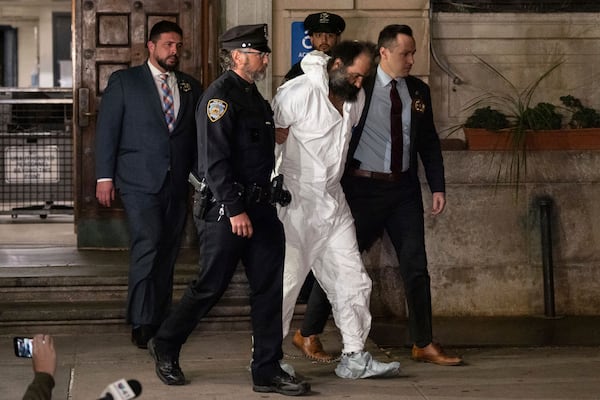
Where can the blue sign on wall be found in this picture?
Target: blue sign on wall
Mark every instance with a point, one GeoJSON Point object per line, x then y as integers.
{"type": "Point", "coordinates": [300, 42]}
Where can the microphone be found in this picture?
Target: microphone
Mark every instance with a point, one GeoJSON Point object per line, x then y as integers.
{"type": "Point", "coordinates": [122, 390]}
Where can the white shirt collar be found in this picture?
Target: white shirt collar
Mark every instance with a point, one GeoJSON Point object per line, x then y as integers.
{"type": "Point", "coordinates": [155, 72]}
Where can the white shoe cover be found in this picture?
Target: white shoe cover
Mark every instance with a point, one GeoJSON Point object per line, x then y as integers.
{"type": "Point", "coordinates": [363, 365]}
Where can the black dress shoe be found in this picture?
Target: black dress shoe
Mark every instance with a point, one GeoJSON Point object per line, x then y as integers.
{"type": "Point", "coordinates": [141, 335]}
{"type": "Point", "coordinates": [167, 370]}
{"type": "Point", "coordinates": [283, 384]}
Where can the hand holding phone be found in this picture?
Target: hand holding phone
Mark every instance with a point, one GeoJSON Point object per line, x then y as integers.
{"type": "Point", "coordinates": [44, 355]}
{"type": "Point", "coordinates": [41, 348]}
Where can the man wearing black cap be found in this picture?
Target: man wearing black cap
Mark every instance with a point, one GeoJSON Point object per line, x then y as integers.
{"type": "Point", "coordinates": [235, 215]}
{"type": "Point", "coordinates": [324, 30]}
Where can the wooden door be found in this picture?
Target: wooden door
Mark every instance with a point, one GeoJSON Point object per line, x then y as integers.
{"type": "Point", "coordinates": [111, 35]}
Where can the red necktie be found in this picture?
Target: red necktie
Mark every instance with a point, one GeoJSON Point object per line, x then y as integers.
{"type": "Point", "coordinates": [167, 102]}
{"type": "Point", "coordinates": [396, 129]}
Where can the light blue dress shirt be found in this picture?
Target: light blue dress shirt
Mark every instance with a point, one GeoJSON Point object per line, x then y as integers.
{"type": "Point", "coordinates": [374, 150]}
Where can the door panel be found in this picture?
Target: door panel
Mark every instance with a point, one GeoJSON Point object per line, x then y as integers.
{"type": "Point", "coordinates": [110, 35]}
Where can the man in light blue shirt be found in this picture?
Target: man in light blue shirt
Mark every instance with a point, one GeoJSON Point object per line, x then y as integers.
{"type": "Point", "coordinates": [375, 148]}
{"type": "Point", "coordinates": [385, 194]}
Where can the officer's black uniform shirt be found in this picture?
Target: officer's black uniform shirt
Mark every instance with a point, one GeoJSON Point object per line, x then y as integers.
{"type": "Point", "coordinates": [236, 139]}
{"type": "Point", "coordinates": [295, 71]}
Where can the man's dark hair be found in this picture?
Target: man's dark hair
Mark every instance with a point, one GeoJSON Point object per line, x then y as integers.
{"type": "Point", "coordinates": [163, 27]}
{"type": "Point", "coordinates": [387, 36]}
{"type": "Point", "coordinates": [348, 50]}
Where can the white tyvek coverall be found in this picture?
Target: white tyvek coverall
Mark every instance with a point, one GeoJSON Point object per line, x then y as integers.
{"type": "Point", "coordinates": [319, 227]}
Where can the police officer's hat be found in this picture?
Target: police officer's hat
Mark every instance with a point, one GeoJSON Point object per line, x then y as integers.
{"type": "Point", "coordinates": [245, 37]}
{"type": "Point", "coordinates": [324, 22]}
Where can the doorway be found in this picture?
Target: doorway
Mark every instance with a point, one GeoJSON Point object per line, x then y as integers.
{"type": "Point", "coordinates": [106, 36]}
{"type": "Point", "coordinates": [8, 55]}
{"type": "Point", "coordinates": [107, 39]}
{"type": "Point", "coordinates": [36, 146]}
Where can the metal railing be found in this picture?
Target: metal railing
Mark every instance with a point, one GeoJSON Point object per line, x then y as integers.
{"type": "Point", "coordinates": [36, 157]}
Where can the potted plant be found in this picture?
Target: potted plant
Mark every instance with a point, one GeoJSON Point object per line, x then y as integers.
{"type": "Point", "coordinates": [490, 129]}
{"type": "Point", "coordinates": [509, 121]}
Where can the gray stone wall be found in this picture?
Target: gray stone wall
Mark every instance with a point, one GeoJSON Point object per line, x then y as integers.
{"type": "Point", "coordinates": [484, 252]}
{"type": "Point", "coordinates": [521, 47]}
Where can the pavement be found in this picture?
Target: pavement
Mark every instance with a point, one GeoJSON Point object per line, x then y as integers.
{"type": "Point", "coordinates": [216, 362]}
{"type": "Point", "coordinates": [216, 367]}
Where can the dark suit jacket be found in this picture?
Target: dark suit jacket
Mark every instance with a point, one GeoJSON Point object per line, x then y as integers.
{"type": "Point", "coordinates": [133, 144]}
{"type": "Point", "coordinates": [424, 139]}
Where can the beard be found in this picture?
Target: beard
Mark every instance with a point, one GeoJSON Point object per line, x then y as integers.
{"type": "Point", "coordinates": [164, 63]}
{"type": "Point", "coordinates": [257, 75]}
{"type": "Point", "coordinates": [340, 87]}
{"type": "Point", "coordinates": [325, 48]}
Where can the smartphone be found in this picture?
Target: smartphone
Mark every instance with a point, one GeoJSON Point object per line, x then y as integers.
{"type": "Point", "coordinates": [23, 346]}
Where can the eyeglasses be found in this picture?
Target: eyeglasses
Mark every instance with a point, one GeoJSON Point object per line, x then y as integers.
{"type": "Point", "coordinates": [260, 54]}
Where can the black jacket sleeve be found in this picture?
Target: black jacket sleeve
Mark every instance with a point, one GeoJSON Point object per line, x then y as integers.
{"type": "Point", "coordinates": [40, 388]}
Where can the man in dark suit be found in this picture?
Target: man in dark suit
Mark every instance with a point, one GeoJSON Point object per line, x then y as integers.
{"type": "Point", "coordinates": [382, 185]}
{"type": "Point", "coordinates": [145, 149]}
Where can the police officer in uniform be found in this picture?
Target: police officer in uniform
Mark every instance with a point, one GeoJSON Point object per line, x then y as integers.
{"type": "Point", "coordinates": [235, 215]}
{"type": "Point", "coordinates": [324, 30]}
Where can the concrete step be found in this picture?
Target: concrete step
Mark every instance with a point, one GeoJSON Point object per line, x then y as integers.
{"type": "Point", "coordinates": [79, 290]}
{"type": "Point", "coordinates": [13, 313]}
{"type": "Point", "coordinates": [94, 288]}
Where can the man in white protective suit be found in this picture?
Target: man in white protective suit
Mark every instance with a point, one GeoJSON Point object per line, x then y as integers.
{"type": "Point", "coordinates": [317, 112]}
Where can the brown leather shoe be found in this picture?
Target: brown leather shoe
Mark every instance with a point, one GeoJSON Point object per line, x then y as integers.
{"type": "Point", "coordinates": [434, 353]}
{"type": "Point", "coordinates": [311, 347]}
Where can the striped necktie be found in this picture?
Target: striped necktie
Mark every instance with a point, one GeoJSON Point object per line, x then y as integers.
{"type": "Point", "coordinates": [167, 102]}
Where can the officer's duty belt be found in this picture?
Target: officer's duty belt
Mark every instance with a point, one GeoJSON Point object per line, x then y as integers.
{"type": "Point", "coordinates": [255, 193]}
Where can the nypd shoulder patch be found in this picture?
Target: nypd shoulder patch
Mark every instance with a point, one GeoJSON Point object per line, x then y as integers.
{"type": "Point", "coordinates": [215, 109]}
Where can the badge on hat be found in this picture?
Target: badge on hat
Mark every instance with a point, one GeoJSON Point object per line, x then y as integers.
{"type": "Point", "coordinates": [324, 22]}
{"type": "Point", "coordinates": [324, 18]}
{"type": "Point", "coordinates": [215, 109]}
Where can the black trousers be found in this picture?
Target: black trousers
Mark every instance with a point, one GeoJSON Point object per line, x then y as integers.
{"type": "Point", "coordinates": [155, 223]}
{"type": "Point", "coordinates": [317, 311]}
{"type": "Point", "coordinates": [396, 207]}
{"type": "Point", "coordinates": [220, 253]}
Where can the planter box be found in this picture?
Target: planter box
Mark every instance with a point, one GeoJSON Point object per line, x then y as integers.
{"type": "Point", "coordinates": [563, 139]}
